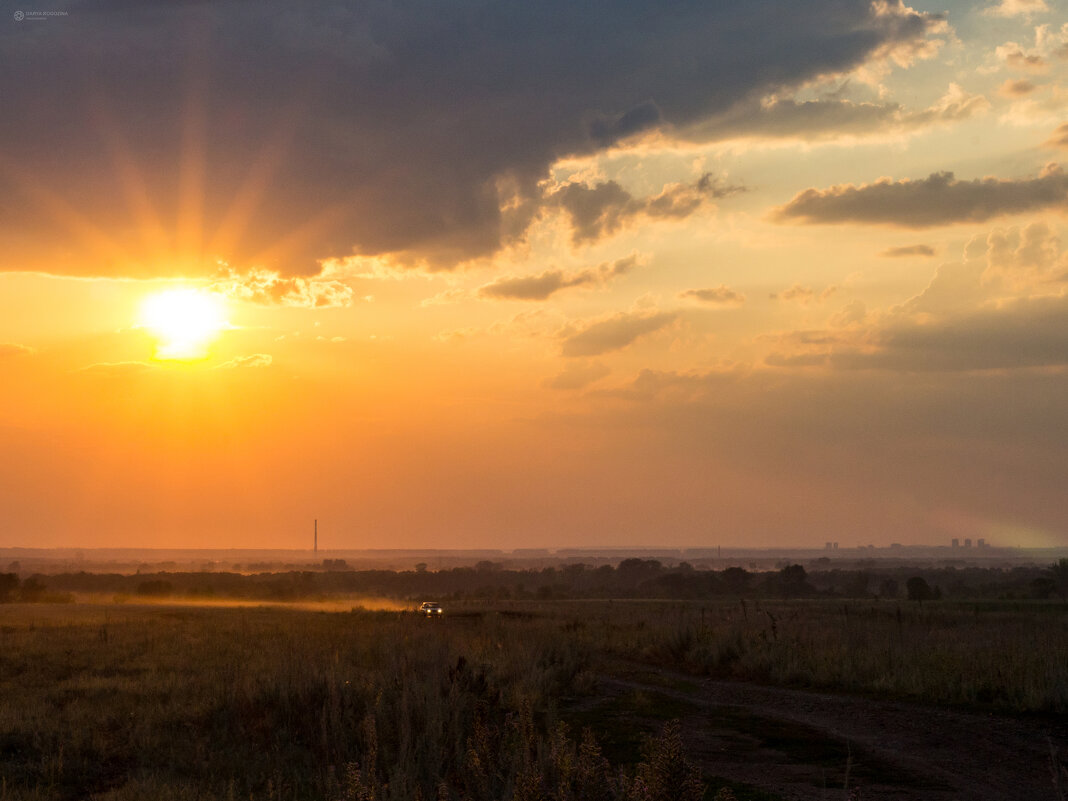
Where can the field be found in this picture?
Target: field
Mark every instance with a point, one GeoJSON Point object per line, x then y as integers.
{"type": "Point", "coordinates": [527, 700]}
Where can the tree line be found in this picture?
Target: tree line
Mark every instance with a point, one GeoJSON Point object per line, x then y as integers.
{"type": "Point", "coordinates": [631, 578]}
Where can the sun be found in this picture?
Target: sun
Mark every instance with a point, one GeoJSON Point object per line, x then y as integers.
{"type": "Point", "coordinates": [184, 321]}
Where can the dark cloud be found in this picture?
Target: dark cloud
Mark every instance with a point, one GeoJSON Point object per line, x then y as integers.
{"type": "Point", "coordinates": [721, 295]}
{"type": "Point", "coordinates": [541, 287]}
{"type": "Point", "coordinates": [908, 250]}
{"type": "Point", "coordinates": [614, 333]}
{"type": "Point", "coordinates": [937, 200]}
{"type": "Point", "coordinates": [608, 130]}
{"type": "Point", "coordinates": [600, 210]}
{"type": "Point", "coordinates": [534, 287]}
{"type": "Point", "coordinates": [152, 139]}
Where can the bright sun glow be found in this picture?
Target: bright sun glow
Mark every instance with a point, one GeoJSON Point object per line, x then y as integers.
{"type": "Point", "coordinates": [185, 321]}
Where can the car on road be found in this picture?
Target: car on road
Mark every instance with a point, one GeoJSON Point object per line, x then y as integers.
{"type": "Point", "coordinates": [431, 609]}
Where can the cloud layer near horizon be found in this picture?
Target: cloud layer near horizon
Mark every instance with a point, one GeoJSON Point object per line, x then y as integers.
{"type": "Point", "coordinates": [272, 135]}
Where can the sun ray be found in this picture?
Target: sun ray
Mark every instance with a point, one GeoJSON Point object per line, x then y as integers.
{"type": "Point", "coordinates": [283, 248]}
{"type": "Point", "coordinates": [193, 167]}
{"type": "Point", "coordinates": [138, 199]}
{"type": "Point", "coordinates": [64, 214]}
{"type": "Point", "coordinates": [253, 189]}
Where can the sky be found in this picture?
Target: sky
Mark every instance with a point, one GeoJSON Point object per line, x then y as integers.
{"type": "Point", "coordinates": [474, 274]}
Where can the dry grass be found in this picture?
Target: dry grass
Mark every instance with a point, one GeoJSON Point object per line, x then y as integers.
{"type": "Point", "coordinates": [172, 702]}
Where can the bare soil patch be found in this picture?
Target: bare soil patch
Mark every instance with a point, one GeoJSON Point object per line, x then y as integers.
{"type": "Point", "coordinates": [800, 745]}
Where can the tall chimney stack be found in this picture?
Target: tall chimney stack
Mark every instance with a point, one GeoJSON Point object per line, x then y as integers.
{"type": "Point", "coordinates": [315, 547]}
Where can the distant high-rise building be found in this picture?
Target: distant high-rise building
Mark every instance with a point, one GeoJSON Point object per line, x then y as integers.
{"type": "Point", "coordinates": [954, 543]}
{"type": "Point", "coordinates": [827, 546]}
{"type": "Point", "coordinates": [967, 542]}
{"type": "Point", "coordinates": [836, 546]}
{"type": "Point", "coordinates": [981, 543]}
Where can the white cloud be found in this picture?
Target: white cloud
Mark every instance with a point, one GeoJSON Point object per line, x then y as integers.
{"type": "Point", "coordinates": [1017, 8]}
{"type": "Point", "coordinates": [253, 360]}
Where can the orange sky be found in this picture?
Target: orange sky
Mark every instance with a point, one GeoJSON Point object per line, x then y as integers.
{"type": "Point", "coordinates": [534, 276]}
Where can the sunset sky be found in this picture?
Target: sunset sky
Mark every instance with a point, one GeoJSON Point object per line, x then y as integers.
{"type": "Point", "coordinates": [461, 273]}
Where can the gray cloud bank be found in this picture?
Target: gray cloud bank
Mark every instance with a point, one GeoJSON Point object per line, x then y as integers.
{"type": "Point", "coordinates": [541, 287]}
{"type": "Point", "coordinates": [600, 210]}
{"type": "Point", "coordinates": [908, 250]}
{"type": "Point", "coordinates": [939, 199]}
{"type": "Point", "coordinates": [721, 295]}
{"type": "Point", "coordinates": [151, 139]}
{"type": "Point", "coordinates": [614, 333]}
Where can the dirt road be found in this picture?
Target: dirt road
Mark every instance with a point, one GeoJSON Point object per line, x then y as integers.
{"type": "Point", "coordinates": [804, 745]}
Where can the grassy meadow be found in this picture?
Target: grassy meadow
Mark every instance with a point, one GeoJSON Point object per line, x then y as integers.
{"type": "Point", "coordinates": [171, 701]}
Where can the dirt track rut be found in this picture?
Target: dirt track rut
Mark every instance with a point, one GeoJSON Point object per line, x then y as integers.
{"type": "Point", "coordinates": [804, 745]}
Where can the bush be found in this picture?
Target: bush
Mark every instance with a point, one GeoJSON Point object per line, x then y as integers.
{"type": "Point", "coordinates": [918, 589]}
{"type": "Point", "coordinates": [9, 585]}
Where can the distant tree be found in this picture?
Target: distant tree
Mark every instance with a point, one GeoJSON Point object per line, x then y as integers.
{"type": "Point", "coordinates": [888, 588]}
{"type": "Point", "coordinates": [155, 588]}
{"type": "Point", "coordinates": [1042, 587]}
{"type": "Point", "coordinates": [573, 572]}
{"type": "Point", "coordinates": [643, 566]}
{"type": "Point", "coordinates": [1059, 574]}
{"type": "Point", "coordinates": [857, 585]}
{"type": "Point", "coordinates": [737, 580]}
{"type": "Point", "coordinates": [792, 581]}
{"type": "Point", "coordinates": [420, 567]}
{"type": "Point", "coordinates": [918, 589]}
{"type": "Point", "coordinates": [9, 584]}
{"type": "Point", "coordinates": [32, 589]}
{"type": "Point", "coordinates": [632, 572]}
